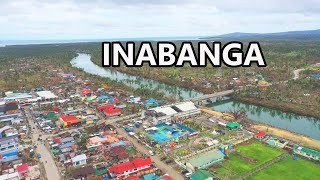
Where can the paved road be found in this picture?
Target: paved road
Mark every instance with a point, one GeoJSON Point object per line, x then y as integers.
{"type": "Point", "coordinates": [296, 73]}
{"type": "Point", "coordinates": [46, 158]}
{"type": "Point", "coordinates": [161, 165]}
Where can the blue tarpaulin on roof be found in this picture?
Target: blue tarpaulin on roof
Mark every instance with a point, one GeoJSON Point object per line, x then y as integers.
{"type": "Point", "coordinates": [102, 97]}
{"type": "Point", "coordinates": [10, 154]}
{"type": "Point", "coordinates": [315, 75]}
{"type": "Point", "coordinates": [151, 100]}
{"type": "Point", "coordinates": [106, 178]}
{"type": "Point", "coordinates": [118, 143]}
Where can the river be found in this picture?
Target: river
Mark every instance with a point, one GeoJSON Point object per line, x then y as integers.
{"type": "Point", "coordinates": [84, 62]}
{"type": "Point", "coordinates": [300, 124]}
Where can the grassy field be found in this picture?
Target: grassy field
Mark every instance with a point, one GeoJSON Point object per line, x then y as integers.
{"type": "Point", "coordinates": [235, 166]}
{"type": "Point", "coordinates": [289, 169]}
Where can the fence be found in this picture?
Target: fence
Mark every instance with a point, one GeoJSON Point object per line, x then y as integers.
{"type": "Point", "coordinates": [264, 165]}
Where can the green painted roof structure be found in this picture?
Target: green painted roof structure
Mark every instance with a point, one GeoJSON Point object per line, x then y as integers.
{"type": "Point", "coordinates": [206, 158]}
{"type": "Point", "coordinates": [307, 150]}
{"type": "Point", "coordinates": [201, 175]}
{"type": "Point", "coordinates": [233, 124]}
{"type": "Point", "coordinates": [151, 176]}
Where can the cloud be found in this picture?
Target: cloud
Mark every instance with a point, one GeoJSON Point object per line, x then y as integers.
{"type": "Point", "coordinates": [82, 19]}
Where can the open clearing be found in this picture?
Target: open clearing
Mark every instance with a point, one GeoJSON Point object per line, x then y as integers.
{"type": "Point", "coordinates": [289, 169]}
{"type": "Point", "coordinates": [235, 166]}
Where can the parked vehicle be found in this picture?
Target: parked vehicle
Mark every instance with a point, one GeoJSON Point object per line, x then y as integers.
{"type": "Point", "coordinates": [163, 158]}
{"type": "Point", "coordinates": [168, 161]}
{"type": "Point", "coordinates": [151, 153]}
{"type": "Point", "coordinates": [184, 171]}
{"type": "Point", "coordinates": [187, 175]}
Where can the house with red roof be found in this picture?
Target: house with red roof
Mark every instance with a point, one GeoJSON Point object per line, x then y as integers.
{"type": "Point", "coordinates": [23, 170]}
{"type": "Point", "coordinates": [106, 106]}
{"type": "Point", "coordinates": [110, 110]}
{"type": "Point", "coordinates": [115, 111]}
{"type": "Point", "coordinates": [69, 120]}
{"type": "Point", "coordinates": [130, 168]}
{"type": "Point", "coordinates": [132, 178]}
{"type": "Point", "coordinates": [260, 135]}
{"type": "Point", "coordinates": [119, 152]}
{"type": "Point", "coordinates": [85, 92]}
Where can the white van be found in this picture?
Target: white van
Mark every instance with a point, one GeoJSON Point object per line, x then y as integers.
{"type": "Point", "coordinates": [188, 175]}
{"type": "Point", "coordinates": [151, 153]}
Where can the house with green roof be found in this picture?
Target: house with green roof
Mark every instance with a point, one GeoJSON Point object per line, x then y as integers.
{"type": "Point", "coordinates": [306, 152]}
{"type": "Point", "coordinates": [201, 175]}
{"type": "Point", "coordinates": [233, 125]}
{"type": "Point", "coordinates": [204, 160]}
{"type": "Point", "coordinates": [151, 176]}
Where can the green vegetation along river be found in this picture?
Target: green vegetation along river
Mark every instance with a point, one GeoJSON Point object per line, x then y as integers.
{"type": "Point", "coordinates": [308, 126]}
{"type": "Point", "coordinates": [299, 124]}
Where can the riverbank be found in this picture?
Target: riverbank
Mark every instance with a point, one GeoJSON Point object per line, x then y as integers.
{"type": "Point", "coordinates": [297, 138]}
{"type": "Point", "coordinates": [303, 110]}
{"type": "Point", "coordinates": [311, 111]}
{"type": "Point", "coordinates": [156, 76]}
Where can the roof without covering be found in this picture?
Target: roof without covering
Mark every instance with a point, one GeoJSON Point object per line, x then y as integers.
{"type": "Point", "coordinates": [67, 139]}
{"type": "Point", "coordinates": [66, 145]}
{"type": "Point", "coordinates": [11, 106]}
{"type": "Point", "coordinates": [5, 128]}
{"type": "Point", "coordinates": [11, 138]}
{"type": "Point", "coordinates": [46, 94]}
{"type": "Point", "coordinates": [206, 158]}
{"type": "Point", "coordinates": [80, 172]}
{"type": "Point", "coordinates": [102, 139]}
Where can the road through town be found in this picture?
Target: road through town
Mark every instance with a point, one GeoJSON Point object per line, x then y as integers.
{"type": "Point", "coordinates": [161, 165]}
{"type": "Point", "coordinates": [46, 158]}
{"type": "Point", "coordinates": [297, 73]}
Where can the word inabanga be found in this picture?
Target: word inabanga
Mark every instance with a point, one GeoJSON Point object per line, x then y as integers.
{"type": "Point", "coordinates": [167, 55]}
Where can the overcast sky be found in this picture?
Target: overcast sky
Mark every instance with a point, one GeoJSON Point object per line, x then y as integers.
{"type": "Point", "coordinates": [96, 19]}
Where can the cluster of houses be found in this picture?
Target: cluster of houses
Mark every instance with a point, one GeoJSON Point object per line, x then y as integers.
{"type": "Point", "coordinates": [283, 143]}
{"type": "Point", "coordinates": [9, 144]}
{"type": "Point", "coordinates": [118, 158]}
{"type": "Point", "coordinates": [20, 171]}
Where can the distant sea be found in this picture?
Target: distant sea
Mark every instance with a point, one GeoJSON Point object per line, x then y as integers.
{"type": "Point", "coordinates": [4, 43]}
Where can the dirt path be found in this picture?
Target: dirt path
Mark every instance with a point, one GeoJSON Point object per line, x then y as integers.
{"type": "Point", "coordinates": [46, 158]}
{"type": "Point", "coordinates": [161, 165]}
{"type": "Point", "coordinates": [299, 139]}
{"type": "Point", "coordinates": [296, 73]}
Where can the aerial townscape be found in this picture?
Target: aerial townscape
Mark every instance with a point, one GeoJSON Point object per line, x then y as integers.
{"type": "Point", "coordinates": [159, 90]}
{"type": "Point", "coordinates": [63, 116]}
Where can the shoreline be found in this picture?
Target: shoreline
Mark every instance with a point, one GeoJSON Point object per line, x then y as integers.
{"type": "Point", "coordinates": [289, 108]}
{"type": "Point", "coordinates": [296, 138]}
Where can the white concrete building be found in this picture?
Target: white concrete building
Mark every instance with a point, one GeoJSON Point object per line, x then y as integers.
{"type": "Point", "coordinates": [46, 95]}
{"type": "Point", "coordinates": [178, 110]}
{"type": "Point", "coordinates": [79, 160]}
